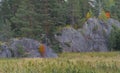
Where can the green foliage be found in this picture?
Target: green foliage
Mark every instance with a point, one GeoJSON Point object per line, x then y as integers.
{"type": "Point", "coordinates": [98, 6]}
{"type": "Point", "coordinates": [5, 31]}
{"type": "Point", "coordinates": [32, 18]}
{"type": "Point", "coordinates": [115, 12]}
{"type": "Point", "coordinates": [108, 4]}
{"type": "Point", "coordinates": [20, 51]}
{"type": "Point", "coordinates": [76, 12]}
{"type": "Point", "coordinates": [102, 16]}
{"type": "Point", "coordinates": [24, 20]}
{"type": "Point", "coordinates": [55, 45]}
{"type": "Point", "coordinates": [114, 39]}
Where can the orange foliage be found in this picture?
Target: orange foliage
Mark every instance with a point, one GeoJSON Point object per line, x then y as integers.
{"type": "Point", "coordinates": [42, 50]}
{"type": "Point", "coordinates": [107, 14]}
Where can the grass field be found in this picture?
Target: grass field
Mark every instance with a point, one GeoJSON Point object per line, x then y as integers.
{"type": "Point", "coordinates": [66, 63]}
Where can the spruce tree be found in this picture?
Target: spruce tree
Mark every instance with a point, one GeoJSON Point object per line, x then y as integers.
{"type": "Point", "coordinates": [116, 12]}
{"type": "Point", "coordinates": [25, 20]}
{"type": "Point", "coordinates": [5, 27]}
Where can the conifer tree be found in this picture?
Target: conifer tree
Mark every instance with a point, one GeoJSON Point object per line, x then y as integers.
{"type": "Point", "coordinates": [24, 19]}
{"type": "Point", "coordinates": [5, 27]}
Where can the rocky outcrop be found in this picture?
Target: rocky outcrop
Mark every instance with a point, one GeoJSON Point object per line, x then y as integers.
{"type": "Point", "coordinates": [71, 40]}
{"type": "Point", "coordinates": [4, 51]}
{"type": "Point", "coordinates": [96, 33]}
{"type": "Point", "coordinates": [24, 47]}
{"type": "Point", "coordinates": [92, 37]}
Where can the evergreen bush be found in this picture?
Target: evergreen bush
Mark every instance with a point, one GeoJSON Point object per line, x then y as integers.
{"type": "Point", "coordinates": [114, 39]}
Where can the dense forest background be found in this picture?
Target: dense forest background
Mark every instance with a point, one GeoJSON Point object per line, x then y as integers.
{"type": "Point", "coordinates": [40, 19]}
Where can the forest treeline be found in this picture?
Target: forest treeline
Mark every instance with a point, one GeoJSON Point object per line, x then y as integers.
{"type": "Point", "coordinates": [39, 18]}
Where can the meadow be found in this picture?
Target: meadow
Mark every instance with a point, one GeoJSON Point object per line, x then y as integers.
{"type": "Point", "coordinates": [105, 62]}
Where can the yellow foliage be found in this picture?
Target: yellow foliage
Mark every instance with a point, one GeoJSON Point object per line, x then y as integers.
{"type": "Point", "coordinates": [2, 43]}
{"type": "Point", "coordinates": [59, 28]}
{"type": "Point", "coordinates": [102, 15]}
{"type": "Point", "coordinates": [68, 26]}
{"type": "Point", "coordinates": [88, 15]}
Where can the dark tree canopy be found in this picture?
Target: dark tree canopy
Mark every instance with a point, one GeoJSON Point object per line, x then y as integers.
{"type": "Point", "coordinates": [33, 18]}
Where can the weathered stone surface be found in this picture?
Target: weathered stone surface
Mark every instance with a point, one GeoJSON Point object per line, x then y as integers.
{"type": "Point", "coordinates": [24, 47]}
{"type": "Point", "coordinates": [92, 37]}
{"type": "Point", "coordinates": [71, 40]}
{"type": "Point", "coordinates": [50, 53]}
{"type": "Point", "coordinates": [96, 33]}
{"type": "Point", "coordinates": [5, 52]}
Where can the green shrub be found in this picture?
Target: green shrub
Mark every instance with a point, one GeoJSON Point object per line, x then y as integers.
{"type": "Point", "coordinates": [114, 39]}
{"type": "Point", "coordinates": [56, 47]}
{"type": "Point", "coordinates": [20, 50]}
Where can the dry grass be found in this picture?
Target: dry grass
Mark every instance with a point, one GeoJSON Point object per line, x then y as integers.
{"type": "Point", "coordinates": [108, 62]}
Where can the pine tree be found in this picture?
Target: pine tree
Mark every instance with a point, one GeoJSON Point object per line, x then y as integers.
{"type": "Point", "coordinates": [50, 13]}
{"type": "Point", "coordinates": [77, 10]}
{"type": "Point", "coordinates": [5, 31]}
{"type": "Point", "coordinates": [25, 20]}
{"type": "Point", "coordinates": [116, 12]}
{"type": "Point", "coordinates": [5, 27]}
